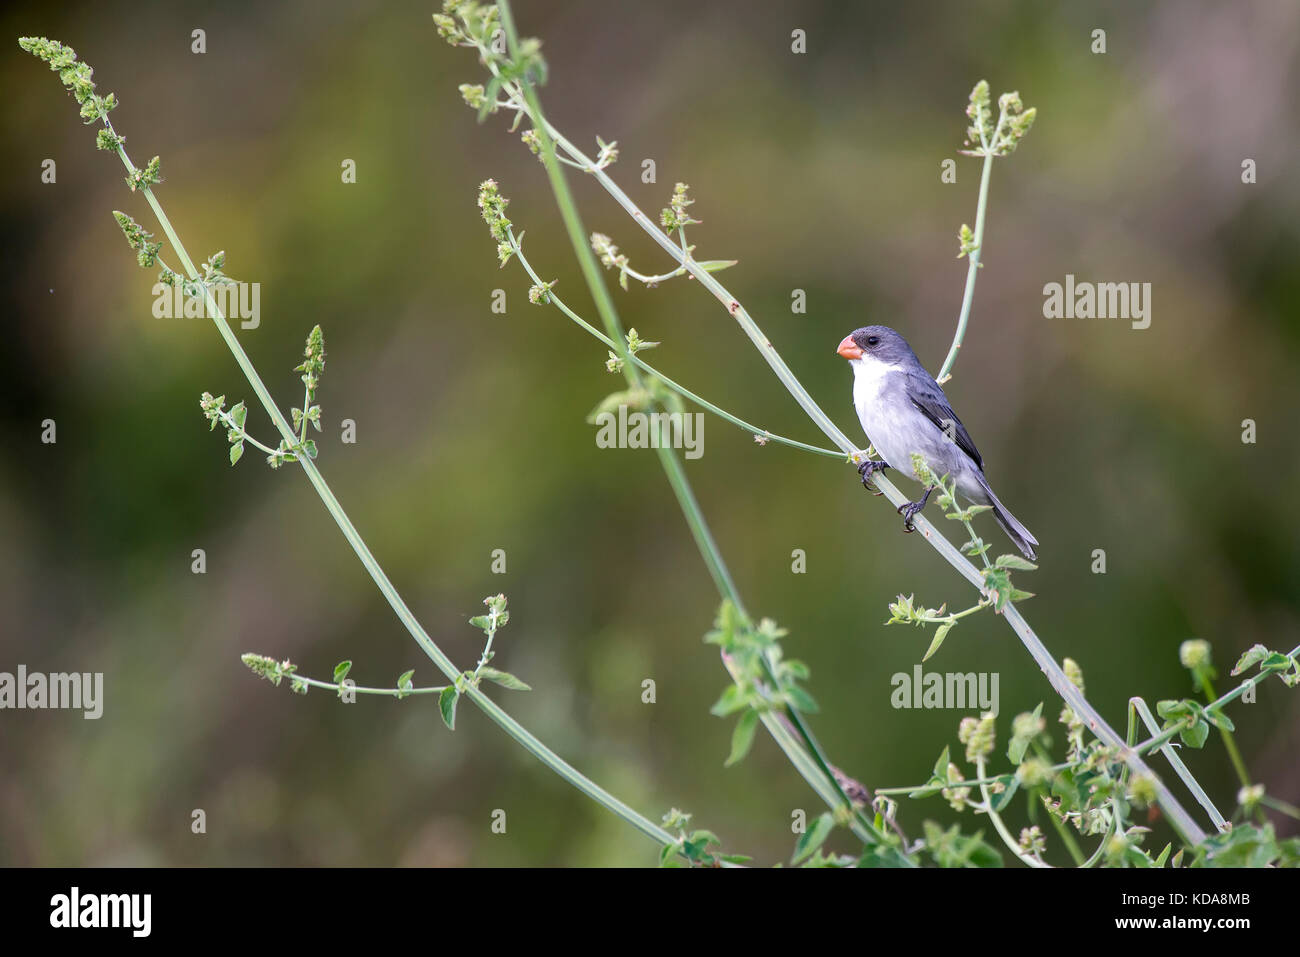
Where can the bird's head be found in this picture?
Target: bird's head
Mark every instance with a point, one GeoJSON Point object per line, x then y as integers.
{"type": "Point", "coordinates": [875, 344]}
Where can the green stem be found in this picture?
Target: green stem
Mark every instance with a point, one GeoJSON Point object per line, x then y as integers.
{"type": "Point", "coordinates": [1179, 767]}
{"type": "Point", "coordinates": [517, 731]}
{"type": "Point", "coordinates": [390, 692]}
{"type": "Point", "coordinates": [651, 370]}
{"type": "Point", "coordinates": [1290, 810]}
{"type": "Point", "coordinates": [1228, 742]}
{"type": "Point", "coordinates": [243, 436]}
{"type": "Point", "coordinates": [1217, 704]}
{"type": "Point", "coordinates": [527, 94]}
{"type": "Point", "coordinates": [1012, 844]}
{"type": "Point", "coordinates": [972, 271]}
{"type": "Point", "coordinates": [1062, 829]}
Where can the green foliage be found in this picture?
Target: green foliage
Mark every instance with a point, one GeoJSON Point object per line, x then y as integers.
{"type": "Point", "coordinates": [76, 76]}
{"type": "Point", "coordinates": [764, 679]}
{"type": "Point", "coordinates": [988, 139]}
{"type": "Point", "coordinates": [694, 848]}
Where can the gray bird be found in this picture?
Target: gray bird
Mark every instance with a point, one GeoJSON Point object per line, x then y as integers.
{"type": "Point", "coordinates": [903, 410]}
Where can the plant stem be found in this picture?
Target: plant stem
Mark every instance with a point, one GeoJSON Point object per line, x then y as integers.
{"type": "Point", "coordinates": [1228, 742]}
{"type": "Point", "coordinates": [517, 731]}
{"type": "Point", "coordinates": [390, 692]}
{"type": "Point", "coordinates": [1012, 844]}
{"type": "Point", "coordinates": [972, 271]}
{"type": "Point", "coordinates": [1062, 829]}
{"type": "Point", "coordinates": [1217, 704]}
{"type": "Point", "coordinates": [651, 370]}
{"type": "Point", "coordinates": [527, 94]}
{"type": "Point", "coordinates": [1179, 767]}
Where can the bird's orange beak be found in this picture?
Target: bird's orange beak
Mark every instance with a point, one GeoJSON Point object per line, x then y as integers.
{"type": "Point", "coordinates": [849, 349]}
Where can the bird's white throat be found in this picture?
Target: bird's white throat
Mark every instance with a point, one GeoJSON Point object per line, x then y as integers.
{"type": "Point", "coordinates": [869, 377]}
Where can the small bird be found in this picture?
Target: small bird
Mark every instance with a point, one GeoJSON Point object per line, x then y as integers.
{"type": "Point", "coordinates": [903, 410]}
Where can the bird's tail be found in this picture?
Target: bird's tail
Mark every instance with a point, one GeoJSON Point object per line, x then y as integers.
{"type": "Point", "coordinates": [1023, 538]}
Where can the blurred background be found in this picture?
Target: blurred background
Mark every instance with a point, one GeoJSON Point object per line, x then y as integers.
{"type": "Point", "coordinates": [819, 172]}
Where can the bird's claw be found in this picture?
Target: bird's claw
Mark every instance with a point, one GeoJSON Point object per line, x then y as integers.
{"type": "Point", "coordinates": [868, 468]}
{"type": "Point", "coordinates": [909, 509]}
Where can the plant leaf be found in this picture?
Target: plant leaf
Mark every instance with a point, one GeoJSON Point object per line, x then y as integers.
{"type": "Point", "coordinates": [742, 738]}
{"type": "Point", "coordinates": [447, 699]}
{"type": "Point", "coordinates": [939, 635]}
{"type": "Point", "coordinates": [505, 679]}
{"type": "Point", "coordinates": [814, 837]}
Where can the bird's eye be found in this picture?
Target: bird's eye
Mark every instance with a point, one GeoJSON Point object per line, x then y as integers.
{"type": "Point", "coordinates": [873, 340]}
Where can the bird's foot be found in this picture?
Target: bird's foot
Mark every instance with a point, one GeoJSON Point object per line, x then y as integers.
{"type": "Point", "coordinates": [868, 468]}
{"type": "Point", "coordinates": [910, 509]}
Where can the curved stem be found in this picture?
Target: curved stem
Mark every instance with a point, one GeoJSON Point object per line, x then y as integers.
{"type": "Point", "coordinates": [1228, 742]}
{"type": "Point", "coordinates": [444, 664]}
{"type": "Point", "coordinates": [824, 780]}
{"type": "Point", "coordinates": [389, 692]}
{"type": "Point", "coordinates": [1012, 844]}
{"type": "Point", "coordinates": [1179, 767]}
{"type": "Point", "coordinates": [651, 370]}
{"type": "Point", "coordinates": [972, 272]}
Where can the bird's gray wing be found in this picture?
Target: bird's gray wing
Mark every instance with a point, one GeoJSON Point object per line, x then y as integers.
{"type": "Point", "coordinates": [933, 404]}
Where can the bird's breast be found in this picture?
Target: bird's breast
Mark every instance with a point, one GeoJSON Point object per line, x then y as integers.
{"type": "Point", "coordinates": [887, 417]}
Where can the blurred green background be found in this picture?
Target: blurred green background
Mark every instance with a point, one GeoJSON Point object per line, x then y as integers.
{"type": "Point", "coordinates": [819, 172]}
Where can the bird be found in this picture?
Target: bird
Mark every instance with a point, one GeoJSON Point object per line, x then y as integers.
{"type": "Point", "coordinates": [902, 411]}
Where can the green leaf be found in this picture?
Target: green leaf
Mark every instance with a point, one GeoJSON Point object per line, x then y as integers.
{"type": "Point", "coordinates": [730, 701]}
{"type": "Point", "coordinates": [1194, 737]}
{"type": "Point", "coordinates": [1018, 746]}
{"type": "Point", "coordinates": [404, 683]}
{"type": "Point", "coordinates": [705, 836]}
{"type": "Point", "coordinates": [1000, 801]}
{"type": "Point", "coordinates": [716, 265]}
{"type": "Point", "coordinates": [489, 98]}
{"type": "Point", "coordinates": [236, 451]}
{"type": "Point", "coordinates": [341, 670]}
{"type": "Point", "coordinates": [504, 678]}
{"type": "Point", "coordinates": [928, 790]}
{"type": "Point", "coordinates": [447, 705]}
{"type": "Point", "coordinates": [941, 766]}
{"type": "Point", "coordinates": [666, 855]}
{"type": "Point", "coordinates": [1256, 653]}
{"type": "Point", "coordinates": [801, 700]}
{"type": "Point", "coordinates": [742, 738]}
{"type": "Point", "coordinates": [1016, 562]}
{"type": "Point", "coordinates": [814, 837]}
{"type": "Point", "coordinates": [1171, 709]}
{"type": "Point", "coordinates": [939, 635]}
{"type": "Point", "coordinates": [310, 447]}
{"type": "Point", "coordinates": [1164, 856]}
{"type": "Point", "coordinates": [239, 413]}
{"type": "Point", "coordinates": [1220, 720]}
{"type": "Point", "coordinates": [1275, 661]}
